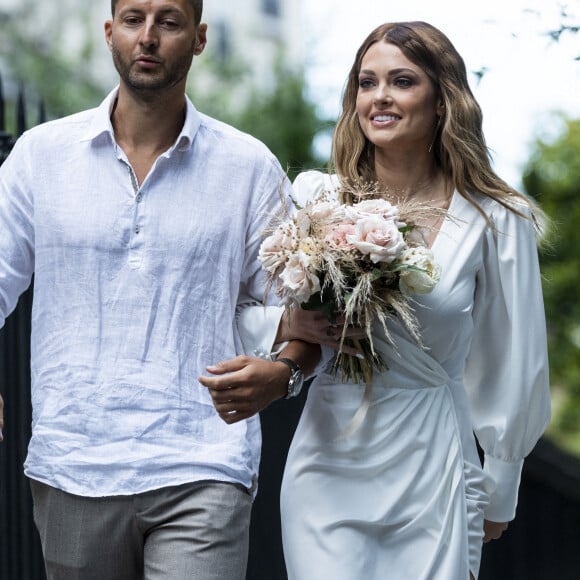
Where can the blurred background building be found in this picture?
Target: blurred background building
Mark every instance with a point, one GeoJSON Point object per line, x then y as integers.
{"type": "Point", "coordinates": [254, 34]}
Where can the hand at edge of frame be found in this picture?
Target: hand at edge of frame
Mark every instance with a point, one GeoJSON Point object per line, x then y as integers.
{"type": "Point", "coordinates": [493, 530]}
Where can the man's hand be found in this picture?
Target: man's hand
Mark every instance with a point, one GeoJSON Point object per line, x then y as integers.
{"type": "Point", "coordinates": [1, 417]}
{"type": "Point", "coordinates": [243, 386]}
{"type": "Point", "coordinates": [493, 530]}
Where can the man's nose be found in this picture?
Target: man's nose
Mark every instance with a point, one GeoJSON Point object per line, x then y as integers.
{"type": "Point", "coordinates": [150, 34]}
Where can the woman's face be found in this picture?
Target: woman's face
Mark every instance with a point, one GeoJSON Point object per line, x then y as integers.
{"type": "Point", "coordinates": [397, 103]}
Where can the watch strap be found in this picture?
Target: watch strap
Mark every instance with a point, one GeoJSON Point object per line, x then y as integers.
{"type": "Point", "coordinates": [290, 363]}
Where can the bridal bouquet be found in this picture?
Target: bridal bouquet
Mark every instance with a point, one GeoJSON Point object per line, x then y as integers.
{"type": "Point", "coordinates": [364, 261]}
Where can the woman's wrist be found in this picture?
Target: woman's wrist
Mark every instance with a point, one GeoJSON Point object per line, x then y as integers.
{"type": "Point", "coordinates": [284, 333]}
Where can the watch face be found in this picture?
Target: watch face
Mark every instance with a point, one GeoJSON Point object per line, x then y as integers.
{"type": "Point", "coordinates": [296, 378]}
{"type": "Point", "coordinates": [295, 384]}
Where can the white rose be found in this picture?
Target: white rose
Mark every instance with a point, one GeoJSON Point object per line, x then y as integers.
{"type": "Point", "coordinates": [378, 207]}
{"type": "Point", "coordinates": [303, 222]}
{"type": "Point", "coordinates": [340, 214]}
{"type": "Point", "coordinates": [276, 247]}
{"type": "Point", "coordinates": [379, 238]}
{"type": "Point", "coordinates": [297, 279]}
{"type": "Point", "coordinates": [422, 280]}
{"type": "Point", "coordinates": [321, 210]}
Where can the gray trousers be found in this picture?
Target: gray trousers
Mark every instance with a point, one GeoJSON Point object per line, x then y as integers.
{"type": "Point", "coordinates": [195, 531]}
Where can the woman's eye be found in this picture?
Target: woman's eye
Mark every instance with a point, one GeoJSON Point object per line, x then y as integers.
{"type": "Point", "coordinates": [365, 83]}
{"type": "Point", "coordinates": [403, 82]}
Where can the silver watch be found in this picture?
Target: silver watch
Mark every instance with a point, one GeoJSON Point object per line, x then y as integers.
{"type": "Point", "coordinates": [296, 378]}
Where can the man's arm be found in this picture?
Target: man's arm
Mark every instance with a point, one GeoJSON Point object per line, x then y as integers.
{"type": "Point", "coordinates": [244, 386]}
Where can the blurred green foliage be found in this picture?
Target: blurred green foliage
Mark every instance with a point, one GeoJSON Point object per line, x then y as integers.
{"type": "Point", "coordinates": [62, 79]}
{"type": "Point", "coordinates": [552, 176]}
{"type": "Point", "coordinates": [280, 114]}
{"type": "Point", "coordinates": [286, 121]}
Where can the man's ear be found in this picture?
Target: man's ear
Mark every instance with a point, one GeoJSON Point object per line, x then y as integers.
{"type": "Point", "coordinates": [109, 33]}
{"type": "Point", "coordinates": [200, 39]}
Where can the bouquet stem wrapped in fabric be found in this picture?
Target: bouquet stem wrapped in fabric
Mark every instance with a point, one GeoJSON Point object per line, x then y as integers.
{"type": "Point", "coordinates": [363, 261]}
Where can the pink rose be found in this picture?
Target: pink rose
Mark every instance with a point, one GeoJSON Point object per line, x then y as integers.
{"type": "Point", "coordinates": [337, 236]}
{"type": "Point", "coordinates": [379, 238]}
{"type": "Point", "coordinates": [297, 280]}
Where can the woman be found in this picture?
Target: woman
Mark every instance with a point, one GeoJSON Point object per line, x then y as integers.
{"type": "Point", "coordinates": [404, 496]}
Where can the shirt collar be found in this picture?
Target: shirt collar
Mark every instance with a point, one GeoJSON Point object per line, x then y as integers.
{"type": "Point", "coordinates": [101, 123]}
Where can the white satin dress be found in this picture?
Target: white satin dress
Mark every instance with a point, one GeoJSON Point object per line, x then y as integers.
{"type": "Point", "coordinates": [404, 496]}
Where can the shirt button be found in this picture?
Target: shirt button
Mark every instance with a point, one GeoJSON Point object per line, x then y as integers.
{"type": "Point", "coordinates": [139, 197]}
{"type": "Point", "coordinates": [137, 229]}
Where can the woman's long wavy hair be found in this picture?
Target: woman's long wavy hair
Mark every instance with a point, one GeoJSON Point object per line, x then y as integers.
{"type": "Point", "coordinates": [459, 147]}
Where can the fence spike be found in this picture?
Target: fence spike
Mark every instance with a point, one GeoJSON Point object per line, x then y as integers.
{"type": "Point", "coordinates": [20, 113]}
{"type": "Point", "coordinates": [41, 112]}
{"type": "Point", "coordinates": [2, 105]}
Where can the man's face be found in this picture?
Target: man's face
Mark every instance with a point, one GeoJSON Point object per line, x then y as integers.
{"type": "Point", "coordinates": [153, 43]}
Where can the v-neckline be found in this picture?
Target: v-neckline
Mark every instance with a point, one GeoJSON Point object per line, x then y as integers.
{"type": "Point", "coordinates": [447, 218]}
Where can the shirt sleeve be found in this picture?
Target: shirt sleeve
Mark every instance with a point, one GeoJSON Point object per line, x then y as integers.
{"type": "Point", "coordinates": [257, 311]}
{"type": "Point", "coordinates": [507, 370]}
{"type": "Point", "coordinates": [16, 230]}
{"type": "Point", "coordinates": [258, 321]}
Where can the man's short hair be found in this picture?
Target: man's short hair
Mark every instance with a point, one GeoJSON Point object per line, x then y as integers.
{"type": "Point", "coordinates": [197, 6]}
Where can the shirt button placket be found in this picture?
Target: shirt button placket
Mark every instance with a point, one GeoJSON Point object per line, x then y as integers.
{"type": "Point", "coordinates": [138, 199]}
{"type": "Point", "coordinates": [136, 250]}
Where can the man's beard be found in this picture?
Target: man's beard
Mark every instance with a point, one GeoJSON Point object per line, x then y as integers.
{"type": "Point", "coordinates": [145, 82]}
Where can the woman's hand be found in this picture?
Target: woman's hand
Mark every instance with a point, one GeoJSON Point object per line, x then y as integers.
{"type": "Point", "coordinates": [313, 326]}
{"type": "Point", "coordinates": [493, 530]}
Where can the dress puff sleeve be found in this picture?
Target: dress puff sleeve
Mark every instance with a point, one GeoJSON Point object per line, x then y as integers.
{"type": "Point", "coordinates": [258, 323]}
{"type": "Point", "coordinates": [506, 375]}
{"type": "Point", "coordinates": [310, 184]}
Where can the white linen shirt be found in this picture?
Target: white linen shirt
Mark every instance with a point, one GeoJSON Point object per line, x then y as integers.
{"type": "Point", "coordinates": [135, 291]}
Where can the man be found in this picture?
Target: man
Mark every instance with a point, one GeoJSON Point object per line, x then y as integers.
{"type": "Point", "coordinates": [141, 222]}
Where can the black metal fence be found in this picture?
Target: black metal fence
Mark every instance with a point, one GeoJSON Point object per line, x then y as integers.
{"type": "Point", "coordinates": [543, 543]}
{"type": "Point", "coordinates": [20, 553]}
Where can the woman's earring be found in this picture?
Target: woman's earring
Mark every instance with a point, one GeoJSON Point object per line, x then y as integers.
{"type": "Point", "coordinates": [435, 132]}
